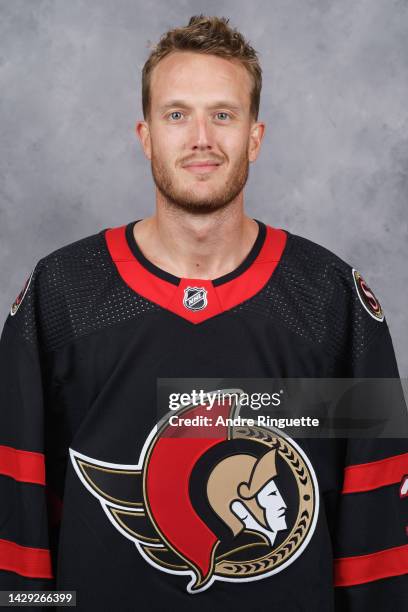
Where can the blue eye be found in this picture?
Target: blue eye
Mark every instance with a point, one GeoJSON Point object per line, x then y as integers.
{"type": "Point", "coordinates": [175, 113]}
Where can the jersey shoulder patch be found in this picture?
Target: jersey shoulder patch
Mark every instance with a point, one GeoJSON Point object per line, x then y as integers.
{"type": "Point", "coordinates": [17, 302]}
{"type": "Point", "coordinates": [367, 297]}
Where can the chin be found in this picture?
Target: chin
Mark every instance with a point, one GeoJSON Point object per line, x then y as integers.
{"type": "Point", "coordinates": [282, 524]}
{"type": "Point", "coordinates": [278, 524]}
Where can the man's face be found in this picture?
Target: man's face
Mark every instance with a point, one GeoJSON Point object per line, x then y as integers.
{"type": "Point", "coordinates": [272, 501]}
{"type": "Point", "coordinates": [200, 112]}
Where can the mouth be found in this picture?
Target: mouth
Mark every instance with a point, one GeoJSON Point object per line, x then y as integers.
{"type": "Point", "coordinates": [202, 168]}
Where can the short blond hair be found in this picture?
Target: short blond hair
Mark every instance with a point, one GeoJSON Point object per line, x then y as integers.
{"type": "Point", "coordinates": [208, 35]}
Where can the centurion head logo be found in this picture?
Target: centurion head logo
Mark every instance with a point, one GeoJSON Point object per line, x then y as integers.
{"type": "Point", "coordinates": [225, 502]}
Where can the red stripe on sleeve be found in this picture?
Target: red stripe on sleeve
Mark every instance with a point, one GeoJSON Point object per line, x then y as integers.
{"type": "Point", "coordinates": [368, 476]}
{"type": "Point", "coordinates": [28, 562]}
{"type": "Point", "coordinates": [349, 571]}
{"type": "Point", "coordinates": [26, 466]}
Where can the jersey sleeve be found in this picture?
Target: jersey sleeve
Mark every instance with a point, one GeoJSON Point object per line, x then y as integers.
{"type": "Point", "coordinates": [25, 555]}
{"type": "Point", "coordinates": [371, 540]}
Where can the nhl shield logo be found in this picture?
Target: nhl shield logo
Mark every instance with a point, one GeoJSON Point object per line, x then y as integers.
{"type": "Point", "coordinates": [232, 503]}
{"type": "Point", "coordinates": [195, 298]}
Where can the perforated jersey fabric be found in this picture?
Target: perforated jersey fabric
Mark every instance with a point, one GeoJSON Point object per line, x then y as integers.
{"type": "Point", "coordinates": [311, 293]}
{"type": "Point", "coordinates": [75, 291]}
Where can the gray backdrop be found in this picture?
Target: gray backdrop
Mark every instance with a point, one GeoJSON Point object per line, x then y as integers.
{"type": "Point", "coordinates": [334, 164]}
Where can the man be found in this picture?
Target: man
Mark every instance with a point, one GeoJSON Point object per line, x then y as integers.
{"type": "Point", "coordinates": [101, 496]}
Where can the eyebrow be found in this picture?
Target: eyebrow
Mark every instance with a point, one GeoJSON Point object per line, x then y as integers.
{"type": "Point", "coordinates": [183, 104]}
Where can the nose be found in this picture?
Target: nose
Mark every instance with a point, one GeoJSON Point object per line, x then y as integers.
{"type": "Point", "coordinates": [201, 137]}
{"type": "Point", "coordinates": [283, 505]}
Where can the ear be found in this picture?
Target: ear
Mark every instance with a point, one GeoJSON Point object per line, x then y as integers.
{"type": "Point", "coordinates": [255, 139]}
{"type": "Point", "coordinates": [143, 133]}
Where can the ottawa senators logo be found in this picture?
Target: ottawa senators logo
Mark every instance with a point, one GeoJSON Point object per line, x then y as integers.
{"type": "Point", "coordinates": [17, 302]}
{"type": "Point", "coordinates": [367, 297]}
{"type": "Point", "coordinates": [222, 502]}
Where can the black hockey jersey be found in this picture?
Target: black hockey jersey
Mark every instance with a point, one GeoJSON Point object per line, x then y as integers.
{"type": "Point", "coordinates": [101, 494]}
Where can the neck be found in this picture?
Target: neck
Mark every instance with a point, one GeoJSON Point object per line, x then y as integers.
{"type": "Point", "coordinates": [196, 246]}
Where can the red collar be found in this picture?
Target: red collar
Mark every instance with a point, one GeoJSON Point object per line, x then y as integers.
{"type": "Point", "coordinates": [196, 299]}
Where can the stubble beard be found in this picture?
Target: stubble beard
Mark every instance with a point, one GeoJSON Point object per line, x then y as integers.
{"type": "Point", "coordinates": [186, 200]}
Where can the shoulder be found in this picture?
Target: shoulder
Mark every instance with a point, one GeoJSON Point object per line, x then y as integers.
{"type": "Point", "coordinates": [320, 266]}
{"type": "Point", "coordinates": [328, 275]}
{"type": "Point", "coordinates": [62, 283]}
{"type": "Point", "coordinates": [82, 252]}
{"type": "Point", "coordinates": [73, 292]}
{"type": "Point", "coordinates": [324, 299]}
{"type": "Point", "coordinates": [80, 263]}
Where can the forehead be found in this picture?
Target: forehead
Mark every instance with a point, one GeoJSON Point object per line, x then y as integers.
{"type": "Point", "coordinates": [192, 76]}
{"type": "Point", "coordinates": [271, 486]}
